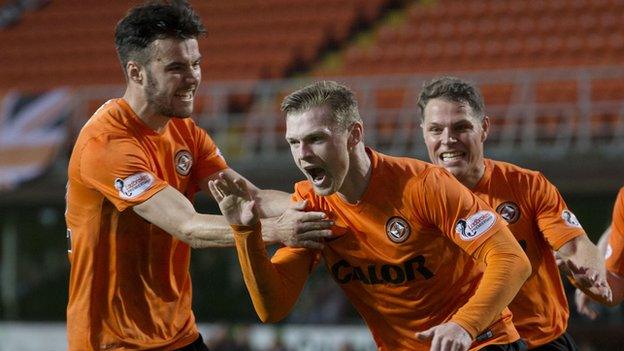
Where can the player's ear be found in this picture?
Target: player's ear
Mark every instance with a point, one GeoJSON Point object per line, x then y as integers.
{"type": "Point", "coordinates": [485, 125]}
{"type": "Point", "coordinates": [356, 134]}
{"type": "Point", "coordinates": [134, 71]}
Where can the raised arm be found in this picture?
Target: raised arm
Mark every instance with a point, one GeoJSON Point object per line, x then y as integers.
{"type": "Point", "coordinates": [268, 202]}
{"type": "Point", "coordinates": [274, 284]}
{"type": "Point", "coordinates": [284, 220]}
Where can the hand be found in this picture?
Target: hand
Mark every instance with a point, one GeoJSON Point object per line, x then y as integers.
{"type": "Point", "coordinates": [584, 305]}
{"type": "Point", "coordinates": [449, 336]}
{"type": "Point", "coordinates": [589, 279]}
{"type": "Point", "coordinates": [234, 200]}
{"type": "Point", "coordinates": [297, 228]}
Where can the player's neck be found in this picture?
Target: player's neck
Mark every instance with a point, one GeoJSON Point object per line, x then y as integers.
{"type": "Point", "coordinates": [473, 176]}
{"type": "Point", "coordinates": [358, 176]}
{"type": "Point", "coordinates": [145, 112]}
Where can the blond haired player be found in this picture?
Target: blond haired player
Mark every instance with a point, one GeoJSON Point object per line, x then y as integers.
{"type": "Point", "coordinates": [455, 128]}
{"type": "Point", "coordinates": [425, 262]}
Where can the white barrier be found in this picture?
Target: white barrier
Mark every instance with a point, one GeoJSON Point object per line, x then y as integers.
{"type": "Point", "coordinates": [51, 336]}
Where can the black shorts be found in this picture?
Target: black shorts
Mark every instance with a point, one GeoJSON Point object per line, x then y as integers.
{"type": "Point", "coordinates": [562, 343]}
{"type": "Point", "coordinates": [518, 345]}
{"type": "Point", "coordinates": [197, 345]}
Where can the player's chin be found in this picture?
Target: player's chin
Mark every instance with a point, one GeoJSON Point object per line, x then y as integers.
{"type": "Point", "coordinates": [183, 113]}
{"type": "Point", "coordinates": [322, 190]}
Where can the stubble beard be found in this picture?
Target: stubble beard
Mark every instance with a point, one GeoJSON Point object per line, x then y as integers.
{"type": "Point", "coordinates": [160, 101]}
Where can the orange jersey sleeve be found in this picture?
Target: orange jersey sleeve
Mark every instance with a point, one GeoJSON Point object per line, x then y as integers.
{"type": "Point", "coordinates": [507, 269]}
{"type": "Point", "coordinates": [558, 224]}
{"type": "Point", "coordinates": [120, 170]}
{"type": "Point", "coordinates": [615, 250]}
{"type": "Point", "coordinates": [454, 210]}
{"type": "Point", "coordinates": [209, 157]}
{"type": "Point", "coordinates": [274, 285]}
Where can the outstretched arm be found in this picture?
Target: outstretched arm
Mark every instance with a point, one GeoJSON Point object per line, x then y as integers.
{"type": "Point", "coordinates": [274, 284]}
{"type": "Point", "coordinates": [169, 210]}
{"type": "Point", "coordinates": [172, 212]}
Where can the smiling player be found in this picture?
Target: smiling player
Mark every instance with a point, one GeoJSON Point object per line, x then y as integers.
{"type": "Point", "coordinates": [133, 173]}
{"type": "Point", "coordinates": [455, 128]}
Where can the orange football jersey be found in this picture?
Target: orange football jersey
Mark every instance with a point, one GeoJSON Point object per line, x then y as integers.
{"type": "Point", "coordinates": [402, 256]}
{"type": "Point", "coordinates": [130, 285]}
{"type": "Point", "coordinates": [539, 219]}
{"type": "Point", "coordinates": [615, 250]}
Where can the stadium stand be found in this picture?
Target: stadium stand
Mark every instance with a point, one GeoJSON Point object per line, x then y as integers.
{"type": "Point", "coordinates": [68, 43]}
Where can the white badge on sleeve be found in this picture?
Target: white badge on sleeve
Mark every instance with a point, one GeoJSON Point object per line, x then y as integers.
{"type": "Point", "coordinates": [134, 185]}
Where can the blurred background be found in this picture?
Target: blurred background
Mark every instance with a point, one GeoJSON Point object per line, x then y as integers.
{"type": "Point", "coordinates": [552, 74]}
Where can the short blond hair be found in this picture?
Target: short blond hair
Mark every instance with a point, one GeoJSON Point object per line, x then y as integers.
{"type": "Point", "coordinates": [337, 97]}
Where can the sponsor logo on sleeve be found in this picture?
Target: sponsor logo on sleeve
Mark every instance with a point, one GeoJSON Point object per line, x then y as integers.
{"type": "Point", "coordinates": [134, 185]}
{"type": "Point", "coordinates": [570, 219]}
{"type": "Point", "coordinates": [183, 162]}
{"type": "Point", "coordinates": [397, 229]}
{"type": "Point", "coordinates": [609, 251]}
{"type": "Point", "coordinates": [509, 211]}
{"type": "Point", "coordinates": [475, 225]}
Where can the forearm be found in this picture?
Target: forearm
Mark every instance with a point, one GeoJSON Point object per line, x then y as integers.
{"type": "Point", "coordinates": [273, 288]}
{"type": "Point", "coordinates": [507, 267]}
{"type": "Point", "coordinates": [581, 253]}
{"type": "Point", "coordinates": [174, 213]}
{"type": "Point", "coordinates": [205, 231]}
{"type": "Point", "coordinates": [271, 203]}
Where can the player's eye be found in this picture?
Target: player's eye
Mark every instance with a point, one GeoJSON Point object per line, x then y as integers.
{"type": "Point", "coordinates": [435, 130]}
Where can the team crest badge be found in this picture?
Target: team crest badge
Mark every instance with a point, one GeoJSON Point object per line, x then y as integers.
{"type": "Point", "coordinates": [183, 162]}
{"type": "Point", "coordinates": [509, 211]}
{"type": "Point", "coordinates": [397, 229]}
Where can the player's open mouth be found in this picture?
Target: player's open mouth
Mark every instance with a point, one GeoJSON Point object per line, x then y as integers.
{"type": "Point", "coordinates": [317, 174]}
{"type": "Point", "coordinates": [452, 156]}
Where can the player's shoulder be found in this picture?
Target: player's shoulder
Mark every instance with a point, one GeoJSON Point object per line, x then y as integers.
{"type": "Point", "coordinates": [107, 125]}
{"type": "Point", "coordinates": [108, 119]}
{"type": "Point", "coordinates": [401, 167]}
{"type": "Point", "coordinates": [513, 173]}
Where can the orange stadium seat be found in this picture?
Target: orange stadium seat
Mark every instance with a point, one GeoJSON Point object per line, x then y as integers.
{"type": "Point", "coordinates": [257, 39]}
